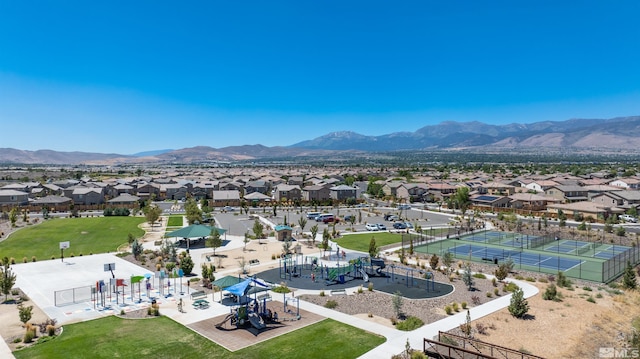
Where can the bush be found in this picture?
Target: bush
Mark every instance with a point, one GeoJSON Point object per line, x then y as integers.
{"type": "Point", "coordinates": [29, 335]}
{"type": "Point", "coordinates": [543, 280]}
{"type": "Point", "coordinates": [370, 287]}
{"type": "Point", "coordinates": [321, 293]}
{"type": "Point", "coordinates": [496, 292]}
{"type": "Point", "coordinates": [481, 329]}
{"type": "Point", "coordinates": [551, 293]}
{"type": "Point", "coordinates": [448, 310]}
{"type": "Point", "coordinates": [494, 282]}
{"type": "Point", "coordinates": [331, 304]}
{"type": "Point", "coordinates": [409, 324]}
{"type": "Point", "coordinates": [51, 330]}
{"type": "Point", "coordinates": [479, 276]}
{"type": "Point", "coordinates": [489, 294]}
{"type": "Point", "coordinates": [463, 305]}
{"type": "Point", "coordinates": [360, 290]}
{"type": "Point", "coordinates": [475, 300]}
{"type": "Point", "coordinates": [33, 258]}
{"type": "Point", "coordinates": [590, 299]}
{"type": "Point", "coordinates": [455, 306]}
{"type": "Point", "coordinates": [530, 279]}
{"type": "Point", "coordinates": [510, 287]}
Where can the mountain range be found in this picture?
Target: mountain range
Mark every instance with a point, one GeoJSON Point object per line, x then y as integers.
{"type": "Point", "coordinates": [621, 133]}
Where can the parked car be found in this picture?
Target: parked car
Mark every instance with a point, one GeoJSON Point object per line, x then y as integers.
{"type": "Point", "coordinates": [313, 215]}
{"type": "Point", "coordinates": [371, 227]}
{"type": "Point", "coordinates": [399, 225]}
{"type": "Point", "coordinates": [391, 217]}
{"type": "Point", "coordinates": [409, 225]}
{"type": "Point", "coordinates": [628, 218]}
{"type": "Point", "coordinates": [348, 218]}
{"type": "Point", "coordinates": [381, 227]}
{"type": "Point", "coordinates": [404, 206]}
{"type": "Point", "coordinates": [322, 217]}
{"type": "Point", "coordinates": [228, 209]}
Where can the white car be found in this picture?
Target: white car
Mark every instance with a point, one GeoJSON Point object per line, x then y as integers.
{"type": "Point", "coordinates": [628, 218]}
{"type": "Point", "coordinates": [371, 227]}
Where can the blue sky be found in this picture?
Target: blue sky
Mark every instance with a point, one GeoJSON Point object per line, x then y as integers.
{"type": "Point", "coordinates": [131, 76]}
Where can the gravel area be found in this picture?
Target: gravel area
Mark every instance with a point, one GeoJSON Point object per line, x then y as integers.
{"type": "Point", "coordinates": [429, 310]}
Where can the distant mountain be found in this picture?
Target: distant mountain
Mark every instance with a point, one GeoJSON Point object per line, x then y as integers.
{"type": "Point", "coordinates": [616, 133]}
{"type": "Point", "coordinates": [150, 153]}
{"type": "Point", "coordinates": [622, 133]}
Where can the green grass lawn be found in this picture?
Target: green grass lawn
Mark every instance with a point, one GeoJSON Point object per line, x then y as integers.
{"type": "Point", "coordinates": [360, 242]}
{"type": "Point", "coordinates": [175, 221]}
{"type": "Point", "coordinates": [113, 337]}
{"type": "Point", "coordinates": [86, 235]}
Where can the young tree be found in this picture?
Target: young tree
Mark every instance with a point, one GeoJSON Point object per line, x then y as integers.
{"type": "Point", "coordinates": [373, 248]}
{"type": "Point", "coordinates": [25, 313]}
{"type": "Point", "coordinates": [518, 306]}
{"type": "Point", "coordinates": [186, 264]}
{"type": "Point", "coordinates": [314, 233]}
{"type": "Point", "coordinates": [396, 301]}
{"type": "Point", "coordinates": [152, 214]}
{"type": "Point", "coordinates": [214, 241]}
{"type": "Point", "coordinates": [501, 272]}
{"type": "Point", "coordinates": [447, 260]}
{"type": "Point", "coordinates": [13, 217]}
{"type": "Point", "coordinates": [302, 222]}
{"type": "Point", "coordinates": [7, 278]}
{"type": "Point", "coordinates": [629, 278]}
{"type": "Point", "coordinates": [136, 249]}
{"type": "Point", "coordinates": [258, 229]}
{"type": "Point", "coordinates": [325, 240]}
{"type": "Point", "coordinates": [192, 212]}
{"type": "Point", "coordinates": [433, 262]}
{"type": "Point", "coordinates": [467, 276]}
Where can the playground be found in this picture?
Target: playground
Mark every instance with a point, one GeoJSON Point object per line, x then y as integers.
{"type": "Point", "coordinates": [309, 273]}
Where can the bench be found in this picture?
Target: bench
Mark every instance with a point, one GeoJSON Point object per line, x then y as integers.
{"type": "Point", "coordinates": [338, 292]}
{"type": "Point", "coordinates": [201, 304]}
{"type": "Point", "coordinates": [198, 295]}
{"type": "Point", "coordinates": [265, 296]}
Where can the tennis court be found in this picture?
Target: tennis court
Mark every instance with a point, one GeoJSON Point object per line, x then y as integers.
{"type": "Point", "coordinates": [518, 257]}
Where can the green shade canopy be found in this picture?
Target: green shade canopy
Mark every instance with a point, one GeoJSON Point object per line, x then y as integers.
{"type": "Point", "coordinates": [195, 231]}
{"type": "Point", "coordinates": [226, 281]}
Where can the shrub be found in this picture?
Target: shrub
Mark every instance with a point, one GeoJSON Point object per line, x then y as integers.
{"type": "Point", "coordinates": [479, 276]}
{"type": "Point", "coordinates": [496, 291]}
{"type": "Point", "coordinates": [489, 294]}
{"type": "Point", "coordinates": [551, 293]}
{"type": "Point", "coordinates": [494, 282]}
{"type": "Point", "coordinates": [463, 305]}
{"type": "Point", "coordinates": [481, 328]}
{"type": "Point", "coordinates": [518, 306]}
{"type": "Point", "coordinates": [448, 310]}
{"type": "Point", "coordinates": [475, 300]}
{"type": "Point", "coordinates": [530, 279]}
{"type": "Point", "coordinates": [51, 330]}
{"type": "Point", "coordinates": [455, 306]}
{"type": "Point", "coordinates": [24, 259]}
{"type": "Point", "coordinates": [588, 289]}
{"type": "Point", "coordinates": [321, 293]}
{"type": "Point", "coordinates": [29, 335]}
{"type": "Point", "coordinates": [331, 304]}
{"type": "Point", "coordinates": [519, 277]}
{"type": "Point", "coordinates": [409, 324]}
{"type": "Point", "coordinates": [360, 290]}
{"type": "Point", "coordinates": [33, 258]}
{"type": "Point", "coordinates": [509, 287]}
{"type": "Point", "coordinates": [13, 260]}
{"type": "Point", "coordinates": [370, 287]}
{"type": "Point", "coordinates": [543, 280]}
{"type": "Point", "coordinates": [590, 299]}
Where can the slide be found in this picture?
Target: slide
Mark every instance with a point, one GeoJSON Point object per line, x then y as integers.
{"type": "Point", "coordinates": [256, 321]}
{"type": "Point", "coordinates": [365, 276]}
{"type": "Point", "coordinates": [226, 319]}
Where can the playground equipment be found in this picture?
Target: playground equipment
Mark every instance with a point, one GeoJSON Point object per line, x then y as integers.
{"type": "Point", "coordinates": [252, 313]}
{"type": "Point", "coordinates": [409, 277]}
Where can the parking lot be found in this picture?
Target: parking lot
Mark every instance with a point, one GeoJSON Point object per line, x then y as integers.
{"type": "Point", "coordinates": [238, 224]}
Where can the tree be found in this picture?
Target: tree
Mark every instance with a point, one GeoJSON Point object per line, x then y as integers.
{"type": "Point", "coordinates": [397, 304]}
{"type": "Point", "coordinates": [551, 293]}
{"type": "Point", "coordinates": [373, 248]}
{"type": "Point", "coordinates": [620, 231]}
{"type": "Point", "coordinates": [7, 278]}
{"type": "Point", "coordinates": [258, 229]}
{"type": "Point", "coordinates": [447, 260]}
{"type": "Point", "coordinates": [302, 222]}
{"type": "Point", "coordinates": [433, 262]}
{"type": "Point", "coordinates": [192, 212]}
{"type": "Point", "coordinates": [501, 272]}
{"type": "Point", "coordinates": [314, 233]}
{"type": "Point", "coordinates": [25, 313]}
{"type": "Point", "coordinates": [152, 213]}
{"type": "Point", "coordinates": [136, 249]}
{"type": "Point", "coordinates": [325, 240]}
{"type": "Point", "coordinates": [286, 246]}
{"type": "Point", "coordinates": [186, 264]}
{"type": "Point", "coordinates": [467, 276]}
{"type": "Point", "coordinates": [214, 241]}
{"type": "Point", "coordinates": [13, 217]}
{"type": "Point", "coordinates": [629, 278]}
{"type": "Point", "coordinates": [518, 306]}
{"type": "Point", "coordinates": [460, 199]}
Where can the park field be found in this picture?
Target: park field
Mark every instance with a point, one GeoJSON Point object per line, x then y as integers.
{"type": "Point", "coordinates": [85, 236]}
{"type": "Point", "coordinates": [360, 242]}
{"type": "Point", "coordinates": [161, 337]}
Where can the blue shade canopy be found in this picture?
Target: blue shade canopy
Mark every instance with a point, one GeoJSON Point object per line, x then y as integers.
{"type": "Point", "coordinates": [243, 288]}
{"type": "Point", "coordinates": [195, 231]}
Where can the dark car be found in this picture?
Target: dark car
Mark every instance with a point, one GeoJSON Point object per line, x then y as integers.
{"type": "Point", "coordinates": [399, 225]}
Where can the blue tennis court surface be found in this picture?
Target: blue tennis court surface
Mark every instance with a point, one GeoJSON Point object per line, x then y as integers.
{"type": "Point", "coordinates": [518, 257]}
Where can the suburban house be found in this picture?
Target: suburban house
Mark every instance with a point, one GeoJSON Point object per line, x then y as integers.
{"type": "Point", "coordinates": [286, 192]}
{"type": "Point", "coordinates": [53, 203]}
{"type": "Point", "coordinates": [626, 183]}
{"type": "Point", "coordinates": [498, 189]}
{"type": "Point", "coordinates": [342, 193]}
{"type": "Point", "coordinates": [529, 201]}
{"type": "Point", "coordinates": [390, 188]}
{"type": "Point", "coordinates": [316, 193]}
{"type": "Point", "coordinates": [490, 202]}
{"type": "Point", "coordinates": [13, 197]}
{"type": "Point", "coordinates": [411, 192]}
{"type": "Point", "coordinates": [259, 186]}
{"type": "Point", "coordinates": [87, 196]}
{"type": "Point", "coordinates": [148, 190]}
{"type": "Point", "coordinates": [567, 193]}
{"type": "Point", "coordinates": [125, 200]}
{"type": "Point", "coordinates": [540, 185]}
{"type": "Point", "coordinates": [623, 200]}
{"type": "Point", "coordinates": [587, 210]}
{"type": "Point", "coordinates": [256, 198]}
{"type": "Point", "coordinates": [225, 198]}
